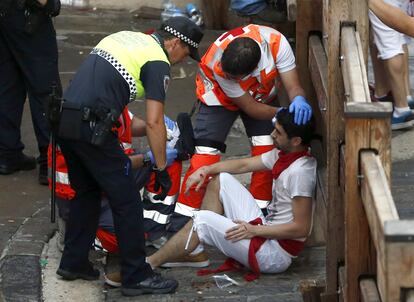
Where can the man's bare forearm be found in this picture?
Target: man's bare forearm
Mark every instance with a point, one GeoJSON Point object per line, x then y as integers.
{"type": "Point", "coordinates": [392, 16]}
{"type": "Point", "coordinates": [156, 135]}
{"type": "Point", "coordinates": [237, 166]}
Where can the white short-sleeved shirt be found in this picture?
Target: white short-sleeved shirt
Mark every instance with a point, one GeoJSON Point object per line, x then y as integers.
{"type": "Point", "coordinates": [285, 61]}
{"type": "Point", "coordinates": [299, 179]}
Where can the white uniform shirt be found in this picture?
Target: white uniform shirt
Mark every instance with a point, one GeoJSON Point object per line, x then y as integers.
{"type": "Point", "coordinates": [299, 179]}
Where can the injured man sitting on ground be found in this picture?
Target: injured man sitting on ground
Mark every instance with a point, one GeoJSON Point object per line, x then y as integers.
{"type": "Point", "coordinates": [230, 219]}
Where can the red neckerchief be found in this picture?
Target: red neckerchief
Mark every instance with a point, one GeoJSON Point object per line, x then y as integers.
{"type": "Point", "coordinates": [233, 265]}
{"type": "Point", "coordinates": [285, 160]}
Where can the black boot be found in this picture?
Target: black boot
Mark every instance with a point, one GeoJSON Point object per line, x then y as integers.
{"type": "Point", "coordinates": [14, 164]}
{"type": "Point", "coordinates": [43, 169]}
{"type": "Point", "coordinates": [87, 273]}
{"type": "Point", "coordinates": [43, 180]}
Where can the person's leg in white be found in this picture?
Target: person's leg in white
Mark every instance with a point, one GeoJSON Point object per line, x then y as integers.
{"type": "Point", "coordinates": [174, 249]}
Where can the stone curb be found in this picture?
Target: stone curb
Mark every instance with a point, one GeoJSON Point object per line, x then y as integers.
{"type": "Point", "coordinates": [20, 271]}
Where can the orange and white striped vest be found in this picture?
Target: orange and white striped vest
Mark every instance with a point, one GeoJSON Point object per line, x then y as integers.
{"type": "Point", "coordinates": [63, 188]}
{"type": "Point", "coordinates": [263, 83]}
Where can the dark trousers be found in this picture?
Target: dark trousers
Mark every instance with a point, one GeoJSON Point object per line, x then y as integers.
{"type": "Point", "coordinates": [93, 170]}
{"type": "Point", "coordinates": [28, 66]}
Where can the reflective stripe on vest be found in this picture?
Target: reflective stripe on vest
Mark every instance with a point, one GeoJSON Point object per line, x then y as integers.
{"type": "Point", "coordinates": [262, 83]}
{"type": "Point", "coordinates": [207, 150]}
{"type": "Point", "coordinates": [156, 216]}
{"type": "Point", "coordinates": [62, 178]}
{"type": "Point", "coordinates": [261, 140]}
{"type": "Point", "coordinates": [169, 200]}
{"type": "Point", "coordinates": [184, 209]}
{"type": "Point", "coordinates": [132, 50]}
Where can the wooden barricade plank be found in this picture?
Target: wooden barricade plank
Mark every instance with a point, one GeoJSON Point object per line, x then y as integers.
{"type": "Point", "coordinates": [398, 275]}
{"type": "Point", "coordinates": [360, 133]}
{"type": "Point", "coordinates": [377, 200]}
{"type": "Point", "coordinates": [393, 238]}
{"type": "Point", "coordinates": [357, 236]}
{"type": "Point", "coordinates": [291, 10]}
{"type": "Point", "coordinates": [333, 13]}
{"type": "Point", "coordinates": [369, 290]}
{"type": "Point", "coordinates": [318, 68]}
{"type": "Point", "coordinates": [309, 13]}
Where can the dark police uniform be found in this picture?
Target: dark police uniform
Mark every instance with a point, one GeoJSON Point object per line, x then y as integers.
{"type": "Point", "coordinates": [122, 67]}
{"type": "Point", "coordinates": [29, 66]}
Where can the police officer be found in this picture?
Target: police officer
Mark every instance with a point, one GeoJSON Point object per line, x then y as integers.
{"type": "Point", "coordinates": [122, 67]}
{"type": "Point", "coordinates": [28, 66]}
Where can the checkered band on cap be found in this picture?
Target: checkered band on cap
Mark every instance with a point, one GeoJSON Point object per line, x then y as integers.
{"type": "Point", "coordinates": [179, 35]}
{"type": "Point", "coordinates": [121, 69]}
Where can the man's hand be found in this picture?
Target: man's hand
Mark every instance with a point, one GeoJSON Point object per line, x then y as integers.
{"type": "Point", "coordinates": [163, 181]}
{"type": "Point", "coordinates": [171, 156]}
{"type": "Point", "coordinates": [243, 230]}
{"type": "Point", "coordinates": [302, 110]}
{"type": "Point", "coordinates": [198, 177]}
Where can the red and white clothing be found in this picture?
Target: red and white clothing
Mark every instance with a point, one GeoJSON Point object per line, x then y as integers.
{"type": "Point", "coordinates": [217, 112]}
{"type": "Point", "coordinates": [299, 179]}
{"type": "Point", "coordinates": [213, 89]}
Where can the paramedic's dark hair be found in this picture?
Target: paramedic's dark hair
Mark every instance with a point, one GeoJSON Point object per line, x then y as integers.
{"type": "Point", "coordinates": [241, 56]}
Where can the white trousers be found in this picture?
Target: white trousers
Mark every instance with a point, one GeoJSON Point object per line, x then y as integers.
{"type": "Point", "coordinates": [239, 204]}
{"type": "Point", "coordinates": [389, 42]}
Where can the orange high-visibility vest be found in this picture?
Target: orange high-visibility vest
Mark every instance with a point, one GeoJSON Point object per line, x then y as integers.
{"type": "Point", "coordinates": [63, 188]}
{"type": "Point", "coordinates": [263, 88]}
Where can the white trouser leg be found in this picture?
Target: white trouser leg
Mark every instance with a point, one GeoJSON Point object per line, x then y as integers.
{"type": "Point", "coordinates": [211, 228]}
{"type": "Point", "coordinates": [238, 203]}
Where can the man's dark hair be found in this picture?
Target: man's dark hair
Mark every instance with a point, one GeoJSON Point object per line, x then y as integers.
{"type": "Point", "coordinates": [305, 132]}
{"type": "Point", "coordinates": [241, 56]}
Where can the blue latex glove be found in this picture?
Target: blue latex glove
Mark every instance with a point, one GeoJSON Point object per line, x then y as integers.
{"type": "Point", "coordinates": [171, 156]}
{"type": "Point", "coordinates": [169, 123]}
{"type": "Point", "coordinates": [302, 110]}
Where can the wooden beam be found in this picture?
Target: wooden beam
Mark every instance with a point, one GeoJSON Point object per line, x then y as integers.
{"type": "Point", "coordinates": [380, 210]}
{"type": "Point", "coordinates": [318, 235]}
{"type": "Point", "coordinates": [369, 290]}
{"type": "Point", "coordinates": [353, 66]}
{"type": "Point", "coordinates": [333, 13]}
{"type": "Point", "coordinates": [357, 237]}
{"type": "Point", "coordinates": [311, 290]}
{"type": "Point", "coordinates": [398, 259]}
{"type": "Point", "coordinates": [291, 10]}
{"type": "Point", "coordinates": [318, 67]}
{"type": "Point", "coordinates": [379, 110]}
